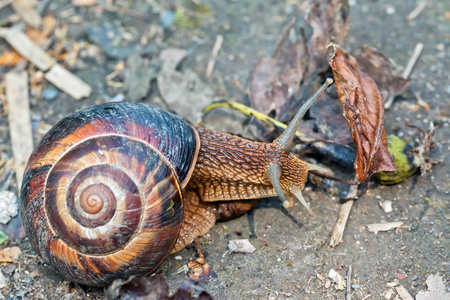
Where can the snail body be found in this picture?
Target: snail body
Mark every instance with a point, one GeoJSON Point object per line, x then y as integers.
{"type": "Point", "coordinates": [112, 190]}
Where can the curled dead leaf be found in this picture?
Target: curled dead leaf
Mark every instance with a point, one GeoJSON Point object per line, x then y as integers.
{"type": "Point", "coordinates": [363, 108]}
{"type": "Point", "coordinates": [278, 81]}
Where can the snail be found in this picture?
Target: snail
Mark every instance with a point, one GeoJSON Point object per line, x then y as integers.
{"type": "Point", "coordinates": [111, 190]}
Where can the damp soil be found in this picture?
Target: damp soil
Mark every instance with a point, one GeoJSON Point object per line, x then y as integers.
{"type": "Point", "coordinates": [291, 246]}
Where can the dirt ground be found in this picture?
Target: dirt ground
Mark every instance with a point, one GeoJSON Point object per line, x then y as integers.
{"type": "Point", "coordinates": [291, 246]}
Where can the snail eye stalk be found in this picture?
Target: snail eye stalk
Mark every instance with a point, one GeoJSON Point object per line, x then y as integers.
{"type": "Point", "coordinates": [284, 141]}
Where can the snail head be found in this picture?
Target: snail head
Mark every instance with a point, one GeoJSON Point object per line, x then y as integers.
{"type": "Point", "coordinates": [288, 175]}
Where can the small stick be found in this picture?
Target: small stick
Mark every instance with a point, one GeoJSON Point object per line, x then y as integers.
{"type": "Point", "coordinates": [407, 71]}
{"type": "Point", "coordinates": [19, 120]}
{"type": "Point", "coordinates": [27, 10]}
{"type": "Point", "coordinates": [214, 53]}
{"type": "Point", "coordinates": [417, 11]}
{"type": "Point", "coordinates": [349, 283]}
{"type": "Point", "coordinates": [413, 60]}
{"type": "Point", "coordinates": [403, 293]}
{"type": "Point", "coordinates": [339, 227]}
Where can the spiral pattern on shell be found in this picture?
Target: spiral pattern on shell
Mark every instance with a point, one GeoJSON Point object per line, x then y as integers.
{"type": "Point", "coordinates": [102, 192]}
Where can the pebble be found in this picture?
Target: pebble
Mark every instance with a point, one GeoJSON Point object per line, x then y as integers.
{"type": "Point", "coordinates": [166, 18]}
{"type": "Point", "coordinates": [9, 269]}
{"type": "Point", "coordinates": [117, 98]}
{"type": "Point", "coordinates": [9, 205]}
{"type": "Point", "coordinates": [355, 286]}
{"type": "Point", "coordinates": [2, 280]}
{"type": "Point", "coordinates": [50, 93]}
{"type": "Point", "coordinates": [27, 280]}
{"type": "Point", "coordinates": [178, 257]}
{"type": "Point", "coordinates": [241, 246]}
{"type": "Point", "coordinates": [390, 10]}
{"type": "Point", "coordinates": [386, 206]}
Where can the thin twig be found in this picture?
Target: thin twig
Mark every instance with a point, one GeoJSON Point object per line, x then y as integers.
{"type": "Point", "coordinates": [403, 293]}
{"type": "Point", "coordinates": [214, 53]}
{"type": "Point", "coordinates": [407, 71]}
{"type": "Point", "coordinates": [412, 61]}
{"type": "Point", "coordinates": [417, 11]}
{"type": "Point", "coordinates": [349, 283]}
{"type": "Point", "coordinates": [339, 227]}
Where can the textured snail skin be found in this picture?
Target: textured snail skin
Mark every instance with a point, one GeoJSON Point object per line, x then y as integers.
{"type": "Point", "coordinates": [77, 179]}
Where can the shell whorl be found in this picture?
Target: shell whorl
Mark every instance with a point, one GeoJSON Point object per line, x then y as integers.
{"type": "Point", "coordinates": [102, 192]}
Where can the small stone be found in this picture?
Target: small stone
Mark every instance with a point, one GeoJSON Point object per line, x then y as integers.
{"type": "Point", "coordinates": [8, 206]}
{"type": "Point", "coordinates": [355, 286]}
{"type": "Point", "coordinates": [390, 10]}
{"type": "Point", "coordinates": [117, 98]}
{"type": "Point", "coordinates": [333, 275]}
{"type": "Point", "coordinates": [241, 246]}
{"type": "Point", "coordinates": [9, 269]}
{"type": "Point", "coordinates": [50, 93]}
{"type": "Point", "coordinates": [178, 257]}
{"type": "Point", "coordinates": [166, 18]}
{"type": "Point", "coordinates": [27, 280]}
{"type": "Point", "coordinates": [386, 206]}
{"type": "Point", "coordinates": [388, 294]}
{"type": "Point", "coordinates": [2, 280]}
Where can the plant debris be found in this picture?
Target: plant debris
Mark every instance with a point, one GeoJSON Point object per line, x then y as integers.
{"type": "Point", "coordinates": [241, 246]}
{"type": "Point", "coordinates": [364, 110]}
{"type": "Point", "coordinates": [55, 73]}
{"type": "Point", "coordinates": [383, 226]}
{"type": "Point", "coordinates": [276, 81]}
{"type": "Point", "coordinates": [386, 206]}
{"type": "Point", "coordinates": [389, 80]}
{"type": "Point", "coordinates": [337, 278]}
{"type": "Point", "coordinates": [19, 120]}
{"type": "Point", "coordinates": [403, 293]}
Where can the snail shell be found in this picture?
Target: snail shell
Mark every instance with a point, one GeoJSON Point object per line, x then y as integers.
{"type": "Point", "coordinates": [101, 197]}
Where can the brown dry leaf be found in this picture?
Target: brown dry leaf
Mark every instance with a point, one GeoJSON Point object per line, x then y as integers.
{"type": "Point", "coordinates": [276, 81]}
{"type": "Point", "coordinates": [388, 79]}
{"type": "Point", "coordinates": [363, 107]}
{"type": "Point", "coordinates": [330, 24]}
{"type": "Point", "coordinates": [154, 287]}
